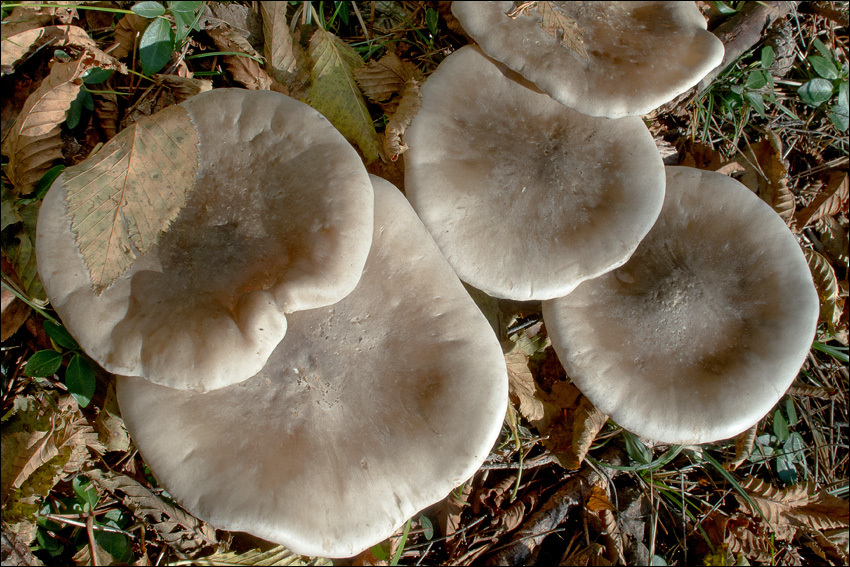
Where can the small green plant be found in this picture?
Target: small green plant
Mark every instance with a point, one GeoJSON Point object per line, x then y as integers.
{"type": "Point", "coordinates": [61, 524]}
{"type": "Point", "coordinates": [79, 374]}
{"type": "Point", "coordinates": [160, 39]}
{"type": "Point", "coordinates": [830, 80]}
{"type": "Point", "coordinates": [785, 448]}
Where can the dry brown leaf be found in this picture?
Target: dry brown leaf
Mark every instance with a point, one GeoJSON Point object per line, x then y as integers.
{"type": "Point", "coordinates": [556, 24]}
{"type": "Point", "coordinates": [574, 427]}
{"type": "Point", "coordinates": [144, 173]}
{"type": "Point", "coordinates": [245, 69]}
{"type": "Point", "coordinates": [601, 513]}
{"type": "Point", "coordinates": [14, 311]}
{"type": "Point", "coordinates": [183, 87]}
{"type": "Point", "coordinates": [106, 111]}
{"type": "Point", "coordinates": [528, 396]}
{"type": "Point", "coordinates": [127, 32]}
{"type": "Point", "coordinates": [25, 18]}
{"type": "Point", "coordinates": [286, 62]}
{"type": "Point", "coordinates": [703, 156]}
{"type": "Point", "coordinates": [826, 283]}
{"type": "Point", "coordinates": [833, 235]}
{"type": "Point", "coordinates": [178, 529]}
{"type": "Point", "coordinates": [385, 78]}
{"type": "Point", "coordinates": [110, 426]}
{"type": "Point", "coordinates": [831, 199]}
{"type": "Point", "coordinates": [411, 100]}
{"type": "Point", "coordinates": [743, 447]}
{"type": "Point", "coordinates": [765, 174]}
{"type": "Point", "coordinates": [16, 47]}
{"type": "Point", "coordinates": [799, 505]}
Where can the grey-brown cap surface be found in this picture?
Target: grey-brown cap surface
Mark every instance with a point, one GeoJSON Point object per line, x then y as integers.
{"type": "Point", "coordinates": [700, 333]}
{"type": "Point", "coordinates": [525, 196]}
{"type": "Point", "coordinates": [627, 58]}
{"type": "Point", "coordinates": [370, 410]}
{"type": "Point", "coordinates": [280, 219]}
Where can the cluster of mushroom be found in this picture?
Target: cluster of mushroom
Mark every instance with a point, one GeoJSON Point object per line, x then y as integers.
{"type": "Point", "coordinates": [297, 359]}
{"type": "Point", "coordinates": [679, 303]}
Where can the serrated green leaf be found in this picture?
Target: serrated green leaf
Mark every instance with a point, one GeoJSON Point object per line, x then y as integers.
{"type": "Point", "coordinates": [80, 380]}
{"type": "Point", "coordinates": [815, 92]}
{"type": "Point", "coordinates": [149, 9]}
{"type": "Point", "coordinates": [43, 363]}
{"type": "Point", "coordinates": [60, 335]}
{"type": "Point", "coordinates": [156, 46]}
{"type": "Point", "coordinates": [337, 96]}
{"type": "Point", "coordinates": [130, 191]}
{"type": "Point", "coordinates": [823, 67]}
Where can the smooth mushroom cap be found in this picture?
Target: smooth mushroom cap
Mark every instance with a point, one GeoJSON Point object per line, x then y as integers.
{"type": "Point", "coordinates": [525, 196]}
{"type": "Point", "coordinates": [280, 219]}
{"type": "Point", "coordinates": [370, 410]}
{"type": "Point", "coordinates": [639, 55]}
{"type": "Point", "coordinates": [701, 332]}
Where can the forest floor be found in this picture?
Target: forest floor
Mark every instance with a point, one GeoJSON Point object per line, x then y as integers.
{"type": "Point", "coordinates": [581, 491]}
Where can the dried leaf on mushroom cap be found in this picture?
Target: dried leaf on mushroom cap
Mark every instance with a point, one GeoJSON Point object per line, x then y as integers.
{"type": "Point", "coordinates": [602, 58]}
{"type": "Point", "coordinates": [279, 220]}
{"type": "Point", "coordinates": [525, 196]}
{"type": "Point", "coordinates": [700, 333]}
{"type": "Point", "coordinates": [372, 408]}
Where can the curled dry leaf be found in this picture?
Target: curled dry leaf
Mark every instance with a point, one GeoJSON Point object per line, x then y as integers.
{"type": "Point", "coordinates": [523, 389]}
{"type": "Point", "coordinates": [14, 311]}
{"type": "Point", "coordinates": [797, 505]}
{"type": "Point", "coordinates": [245, 69]}
{"type": "Point", "coordinates": [830, 200]}
{"type": "Point", "coordinates": [286, 62]}
{"type": "Point", "coordinates": [743, 448]}
{"type": "Point", "coordinates": [106, 110]}
{"type": "Point", "coordinates": [411, 100]}
{"type": "Point", "coordinates": [826, 283]}
{"type": "Point", "coordinates": [127, 32]}
{"type": "Point", "coordinates": [765, 174]}
{"type": "Point", "coordinates": [385, 78]}
{"type": "Point", "coordinates": [121, 200]}
{"type": "Point", "coordinates": [275, 556]}
{"type": "Point", "coordinates": [183, 87]}
{"type": "Point", "coordinates": [573, 429]}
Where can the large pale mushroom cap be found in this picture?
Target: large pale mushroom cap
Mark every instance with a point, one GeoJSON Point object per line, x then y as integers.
{"type": "Point", "coordinates": [701, 332]}
{"type": "Point", "coordinates": [280, 219]}
{"type": "Point", "coordinates": [632, 58]}
{"type": "Point", "coordinates": [525, 196]}
{"type": "Point", "coordinates": [370, 410]}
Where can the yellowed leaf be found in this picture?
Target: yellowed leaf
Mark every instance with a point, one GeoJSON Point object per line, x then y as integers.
{"type": "Point", "coordinates": [795, 506]}
{"type": "Point", "coordinates": [826, 283]}
{"type": "Point", "coordinates": [336, 95]}
{"type": "Point", "coordinates": [121, 199]}
{"type": "Point", "coordinates": [556, 24]}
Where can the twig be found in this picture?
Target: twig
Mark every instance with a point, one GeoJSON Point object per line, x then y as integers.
{"type": "Point", "coordinates": [92, 545]}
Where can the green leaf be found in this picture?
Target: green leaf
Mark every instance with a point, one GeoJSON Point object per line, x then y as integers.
{"type": "Point", "coordinates": [183, 22]}
{"type": "Point", "coordinates": [43, 363]}
{"type": "Point", "coordinates": [381, 550]}
{"type": "Point", "coordinates": [724, 8]}
{"type": "Point", "coordinates": [757, 101]}
{"type": "Point", "coordinates": [792, 412]}
{"type": "Point", "coordinates": [839, 113]}
{"type": "Point", "coordinates": [337, 96]}
{"type": "Point", "coordinates": [149, 9]}
{"type": "Point", "coordinates": [117, 545]}
{"type": "Point", "coordinates": [756, 80]}
{"type": "Point", "coordinates": [43, 184]}
{"type": "Point", "coordinates": [156, 46]}
{"type": "Point", "coordinates": [815, 92]}
{"type": "Point", "coordinates": [780, 426]}
{"type": "Point", "coordinates": [785, 470]}
{"type": "Point", "coordinates": [823, 67]}
{"type": "Point", "coordinates": [80, 380]}
{"type": "Point", "coordinates": [427, 526]}
{"type": "Point", "coordinates": [85, 491]}
{"type": "Point", "coordinates": [432, 17]}
{"type": "Point", "coordinates": [822, 49]}
{"type": "Point", "coordinates": [96, 75]}
{"type": "Point", "coordinates": [60, 335]}
{"type": "Point", "coordinates": [766, 56]}
{"type": "Point", "coordinates": [184, 7]}
{"type": "Point", "coordinates": [636, 449]}
{"type": "Point", "coordinates": [75, 112]}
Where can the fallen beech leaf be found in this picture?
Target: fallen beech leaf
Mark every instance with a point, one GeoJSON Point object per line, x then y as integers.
{"type": "Point", "coordinates": [246, 68]}
{"type": "Point", "coordinates": [336, 95]}
{"type": "Point", "coordinates": [16, 47]}
{"type": "Point", "coordinates": [127, 33]}
{"type": "Point", "coordinates": [836, 244]}
{"type": "Point", "coordinates": [14, 311]}
{"type": "Point", "coordinates": [30, 157]}
{"type": "Point", "coordinates": [385, 78]}
{"type": "Point", "coordinates": [765, 174]}
{"type": "Point", "coordinates": [129, 193]}
{"type": "Point", "coordinates": [275, 556]}
{"type": "Point", "coordinates": [411, 100]}
{"type": "Point", "coordinates": [25, 18]}
{"type": "Point", "coordinates": [560, 26]}
{"type": "Point", "coordinates": [797, 505]}
{"type": "Point", "coordinates": [826, 283]}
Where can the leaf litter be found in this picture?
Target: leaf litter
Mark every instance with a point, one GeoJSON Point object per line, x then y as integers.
{"type": "Point", "coordinates": [550, 465]}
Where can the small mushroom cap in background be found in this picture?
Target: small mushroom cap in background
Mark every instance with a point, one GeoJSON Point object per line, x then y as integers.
{"type": "Point", "coordinates": [635, 56]}
{"type": "Point", "coordinates": [371, 409]}
{"type": "Point", "coordinates": [525, 196]}
{"type": "Point", "coordinates": [700, 333]}
{"type": "Point", "coordinates": [280, 219]}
